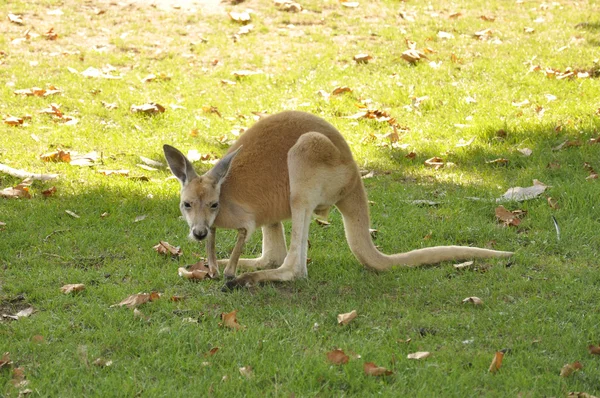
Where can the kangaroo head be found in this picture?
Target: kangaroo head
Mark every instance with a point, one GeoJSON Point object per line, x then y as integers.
{"type": "Point", "coordinates": [199, 194]}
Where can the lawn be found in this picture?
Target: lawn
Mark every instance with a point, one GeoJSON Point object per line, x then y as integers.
{"type": "Point", "coordinates": [446, 106]}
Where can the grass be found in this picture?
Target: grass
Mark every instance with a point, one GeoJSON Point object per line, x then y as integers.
{"type": "Point", "coordinates": [540, 306]}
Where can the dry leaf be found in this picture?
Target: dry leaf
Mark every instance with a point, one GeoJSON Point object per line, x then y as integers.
{"type": "Point", "coordinates": [445, 35]}
{"type": "Point", "coordinates": [167, 249]}
{"type": "Point", "coordinates": [373, 370]}
{"type": "Point", "coordinates": [72, 214]}
{"type": "Point", "coordinates": [25, 313]}
{"type": "Point", "coordinates": [496, 362]}
{"type": "Point", "coordinates": [5, 360]}
{"type": "Point", "coordinates": [246, 371]}
{"type": "Point", "coordinates": [49, 192]}
{"type": "Point", "coordinates": [362, 58]}
{"type": "Point", "coordinates": [344, 319]}
{"type": "Point", "coordinates": [18, 378]}
{"type": "Point", "coordinates": [121, 172]}
{"type": "Point", "coordinates": [76, 287]}
{"type": "Point", "coordinates": [435, 162]}
{"type": "Point", "coordinates": [212, 352]}
{"type": "Point", "coordinates": [570, 368]}
{"type": "Point", "coordinates": [345, 89]}
{"type": "Point", "coordinates": [13, 120]}
{"type": "Point", "coordinates": [56, 156]}
{"type": "Point", "coordinates": [464, 265]}
{"type": "Point", "coordinates": [288, 5]}
{"type": "Point", "coordinates": [413, 55]}
{"type": "Point", "coordinates": [521, 194]}
{"type": "Point", "coordinates": [462, 143]}
{"type": "Point", "coordinates": [508, 217]}
{"type": "Point", "coordinates": [19, 191]}
{"type": "Point", "coordinates": [102, 362]}
{"type": "Point", "coordinates": [322, 223]}
{"type": "Point", "coordinates": [567, 144]}
{"type": "Point", "coordinates": [17, 19]}
{"type": "Point", "coordinates": [418, 355]}
{"type": "Point", "coordinates": [241, 17]}
{"type": "Point", "coordinates": [337, 357]}
{"type": "Point", "coordinates": [579, 394]}
{"type": "Point", "coordinates": [151, 108]}
{"type": "Point", "coordinates": [553, 203]}
{"type": "Point", "coordinates": [350, 4]}
{"type": "Point", "coordinates": [137, 299]}
{"type": "Point", "coordinates": [230, 320]}
{"type": "Point", "coordinates": [474, 300]}
{"type": "Point", "coordinates": [594, 349]}
{"type": "Point", "coordinates": [194, 275]}
{"type": "Point", "coordinates": [499, 161]}
{"type": "Point", "coordinates": [488, 18]}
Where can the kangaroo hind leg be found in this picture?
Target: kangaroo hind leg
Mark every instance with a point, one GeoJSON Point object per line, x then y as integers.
{"type": "Point", "coordinates": [316, 179]}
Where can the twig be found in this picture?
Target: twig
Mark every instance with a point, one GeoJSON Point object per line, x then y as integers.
{"type": "Point", "coordinates": [25, 174]}
{"type": "Point", "coordinates": [56, 232]}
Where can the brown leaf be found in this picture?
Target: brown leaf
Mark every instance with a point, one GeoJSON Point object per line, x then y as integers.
{"type": "Point", "coordinates": [18, 378]}
{"type": "Point", "coordinates": [150, 108]}
{"type": "Point", "coordinates": [499, 161]}
{"type": "Point", "coordinates": [594, 349]}
{"type": "Point", "coordinates": [362, 58]}
{"type": "Point", "coordinates": [102, 362]}
{"type": "Point", "coordinates": [72, 288]}
{"type": "Point", "coordinates": [508, 217]}
{"type": "Point", "coordinates": [122, 172]}
{"type": "Point", "coordinates": [51, 34]}
{"type": "Point", "coordinates": [570, 368]}
{"type": "Point", "coordinates": [56, 156]}
{"type": "Point", "coordinates": [212, 352]}
{"type": "Point", "coordinates": [13, 120]}
{"type": "Point", "coordinates": [474, 300]}
{"type": "Point", "coordinates": [496, 362]}
{"type": "Point", "coordinates": [167, 249]}
{"type": "Point", "coordinates": [413, 55]}
{"type": "Point", "coordinates": [196, 275]}
{"type": "Point", "coordinates": [344, 319]}
{"type": "Point", "coordinates": [137, 299]}
{"type": "Point", "coordinates": [177, 299]}
{"type": "Point", "coordinates": [49, 192]}
{"type": "Point", "coordinates": [201, 266]}
{"type": "Point", "coordinates": [19, 191]}
{"type": "Point", "coordinates": [435, 162]}
{"type": "Point", "coordinates": [418, 355]}
{"type": "Point", "coordinates": [229, 320]}
{"type": "Point", "coordinates": [337, 357]}
{"type": "Point", "coordinates": [488, 18]}
{"type": "Point", "coordinates": [553, 203]}
{"type": "Point", "coordinates": [373, 370]}
{"type": "Point", "coordinates": [5, 361]}
{"type": "Point", "coordinates": [345, 89]}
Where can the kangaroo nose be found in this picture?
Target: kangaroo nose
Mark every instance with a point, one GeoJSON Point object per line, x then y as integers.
{"type": "Point", "coordinates": [199, 234]}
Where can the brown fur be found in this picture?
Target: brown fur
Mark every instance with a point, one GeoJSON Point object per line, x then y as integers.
{"type": "Point", "coordinates": [288, 165]}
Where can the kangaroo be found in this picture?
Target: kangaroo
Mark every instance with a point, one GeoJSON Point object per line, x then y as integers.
{"type": "Point", "coordinates": [288, 165]}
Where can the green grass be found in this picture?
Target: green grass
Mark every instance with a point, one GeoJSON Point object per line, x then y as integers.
{"type": "Point", "coordinates": [540, 306]}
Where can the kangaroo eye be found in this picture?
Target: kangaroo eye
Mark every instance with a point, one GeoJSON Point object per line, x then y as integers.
{"type": "Point", "coordinates": [187, 205]}
{"type": "Point", "coordinates": [214, 205]}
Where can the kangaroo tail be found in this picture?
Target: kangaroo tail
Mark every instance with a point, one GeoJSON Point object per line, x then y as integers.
{"type": "Point", "coordinates": [355, 211]}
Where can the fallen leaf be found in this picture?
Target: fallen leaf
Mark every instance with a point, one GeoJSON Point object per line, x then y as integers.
{"type": "Point", "coordinates": [496, 362]}
{"type": "Point", "coordinates": [350, 4]}
{"type": "Point", "coordinates": [16, 19]}
{"type": "Point", "coordinates": [323, 223]}
{"type": "Point", "coordinates": [5, 360]}
{"type": "Point", "coordinates": [488, 18]}
{"type": "Point", "coordinates": [92, 72]}
{"type": "Point", "coordinates": [25, 313]}
{"type": "Point", "coordinates": [13, 120]}
{"type": "Point", "coordinates": [337, 357]}
{"type": "Point", "coordinates": [418, 355]}
{"type": "Point", "coordinates": [341, 90]}
{"type": "Point", "coordinates": [474, 300]}
{"type": "Point", "coordinates": [241, 17]}
{"type": "Point", "coordinates": [525, 151]}
{"type": "Point", "coordinates": [579, 394]}
{"type": "Point", "coordinates": [19, 191]}
{"type": "Point", "coordinates": [570, 368]}
{"type": "Point", "coordinates": [201, 266]}
{"type": "Point", "coordinates": [51, 34]}
{"type": "Point", "coordinates": [462, 143]}
{"type": "Point", "coordinates": [499, 161]}
{"type": "Point", "coordinates": [194, 275]}
{"type": "Point", "coordinates": [167, 249]}
{"type": "Point", "coordinates": [373, 370]}
{"type": "Point", "coordinates": [56, 156]}
{"type": "Point", "coordinates": [151, 162]}
{"type": "Point", "coordinates": [362, 58]}
{"type": "Point", "coordinates": [137, 299]}
{"type": "Point", "coordinates": [246, 371]}
{"type": "Point", "coordinates": [435, 162]}
{"type": "Point", "coordinates": [230, 320]}
{"type": "Point", "coordinates": [49, 192]}
{"type": "Point", "coordinates": [150, 108]}
{"type": "Point", "coordinates": [288, 5]}
{"type": "Point", "coordinates": [594, 349]}
{"type": "Point", "coordinates": [567, 144]}
{"type": "Point", "coordinates": [72, 288]}
{"type": "Point", "coordinates": [508, 217]}
{"type": "Point", "coordinates": [87, 160]}
{"type": "Point", "coordinates": [445, 35]}
{"type": "Point", "coordinates": [464, 265]}
{"type": "Point", "coordinates": [18, 378]}
{"type": "Point", "coordinates": [344, 319]}
{"type": "Point", "coordinates": [553, 203]}
{"type": "Point", "coordinates": [521, 194]}
{"type": "Point", "coordinates": [212, 352]}
{"type": "Point", "coordinates": [413, 55]}
{"type": "Point", "coordinates": [102, 362]}
{"type": "Point", "coordinates": [109, 105]}
{"type": "Point", "coordinates": [72, 214]}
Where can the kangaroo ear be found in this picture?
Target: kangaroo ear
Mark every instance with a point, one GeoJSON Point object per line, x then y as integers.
{"type": "Point", "coordinates": [220, 170]}
{"type": "Point", "coordinates": [180, 166]}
